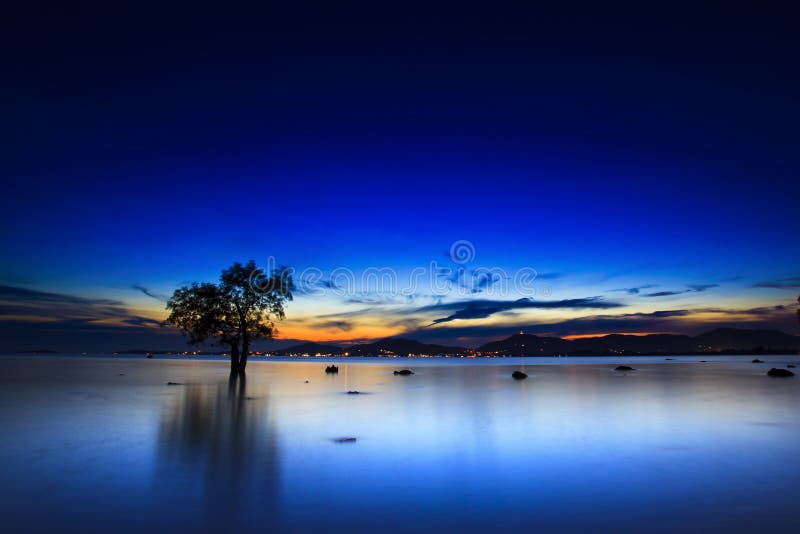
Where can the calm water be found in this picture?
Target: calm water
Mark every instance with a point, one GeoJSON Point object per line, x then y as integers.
{"type": "Point", "coordinates": [100, 444]}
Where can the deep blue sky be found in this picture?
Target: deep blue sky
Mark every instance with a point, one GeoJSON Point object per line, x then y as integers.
{"type": "Point", "coordinates": [606, 147]}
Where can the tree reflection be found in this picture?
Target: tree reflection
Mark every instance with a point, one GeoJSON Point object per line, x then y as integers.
{"type": "Point", "coordinates": [222, 442]}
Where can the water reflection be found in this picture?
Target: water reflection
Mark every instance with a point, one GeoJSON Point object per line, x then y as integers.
{"type": "Point", "coordinates": [221, 437]}
{"type": "Point", "coordinates": [105, 444]}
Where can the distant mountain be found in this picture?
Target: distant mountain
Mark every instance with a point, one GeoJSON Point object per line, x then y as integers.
{"type": "Point", "coordinates": [403, 347]}
{"type": "Point", "coordinates": [727, 340]}
{"type": "Point", "coordinates": [308, 348]}
{"type": "Point", "coordinates": [528, 345]}
{"type": "Point", "coordinates": [721, 340]}
{"type": "Point", "coordinates": [627, 344]}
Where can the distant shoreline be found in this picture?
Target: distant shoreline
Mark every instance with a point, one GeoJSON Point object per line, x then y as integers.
{"type": "Point", "coordinates": [323, 358]}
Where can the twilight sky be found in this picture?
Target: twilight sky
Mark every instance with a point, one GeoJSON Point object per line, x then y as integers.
{"type": "Point", "coordinates": [641, 160]}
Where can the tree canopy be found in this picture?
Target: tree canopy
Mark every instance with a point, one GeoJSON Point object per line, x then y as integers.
{"type": "Point", "coordinates": [241, 308]}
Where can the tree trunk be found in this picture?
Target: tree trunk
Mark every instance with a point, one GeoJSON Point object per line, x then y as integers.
{"type": "Point", "coordinates": [235, 367]}
{"type": "Point", "coordinates": [243, 359]}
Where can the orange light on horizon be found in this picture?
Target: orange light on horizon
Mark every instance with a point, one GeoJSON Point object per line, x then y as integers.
{"type": "Point", "coordinates": [586, 336]}
{"type": "Point", "coordinates": [317, 335]}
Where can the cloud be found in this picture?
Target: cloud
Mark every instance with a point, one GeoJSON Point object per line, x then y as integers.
{"type": "Point", "coordinates": [688, 321]}
{"type": "Point", "coordinates": [311, 285]}
{"type": "Point", "coordinates": [663, 293]}
{"type": "Point", "coordinates": [21, 294]}
{"type": "Point", "coordinates": [32, 316]}
{"type": "Point", "coordinates": [792, 282]}
{"type": "Point", "coordinates": [698, 288]}
{"type": "Point", "coordinates": [692, 288]}
{"type": "Point", "coordinates": [361, 312]}
{"type": "Point", "coordinates": [21, 304]}
{"type": "Point", "coordinates": [634, 290]}
{"type": "Point", "coordinates": [652, 321]}
{"type": "Point", "coordinates": [483, 281]}
{"type": "Point", "coordinates": [149, 293]}
{"type": "Point", "coordinates": [664, 320]}
{"type": "Point", "coordinates": [479, 309]}
{"type": "Point", "coordinates": [344, 326]}
{"type": "Point", "coordinates": [141, 321]}
{"type": "Point", "coordinates": [374, 299]}
{"type": "Point", "coordinates": [761, 311]}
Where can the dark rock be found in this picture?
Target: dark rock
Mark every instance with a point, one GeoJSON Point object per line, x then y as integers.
{"type": "Point", "coordinates": [790, 366]}
{"type": "Point", "coordinates": [669, 359]}
{"type": "Point", "coordinates": [306, 382]}
{"type": "Point", "coordinates": [757, 361]}
{"type": "Point", "coordinates": [703, 361]}
{"type": "Point", "coordinates": [344, 440]}
{"type": "Point", "coordinates": [404, 372]}
{"type": "Point", "coordinates": [624, 368]}
{"type": "Point", "coordinates": [780, 372]}
{"type": "Point", "coordinates": [174, 384]}
{"type": "Point", "coordinates": [149, 355]}
{"type": "Point", "coordinates": [518, 375]}
{"type": "Point", "coordinates": [354, 392]}
{"type": "Point", "coordinates": [331, 369]}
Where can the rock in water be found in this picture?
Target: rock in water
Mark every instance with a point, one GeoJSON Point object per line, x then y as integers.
{"type": "Point", "coordinates": [344, 440]}
{"type": "Point", "coordinates": [331, 369]}
{"type": "Point", "coordinates": [624, 368]}
{"type": "Point", "coordinates": [790, 366]}
{"type": "Point", "coordinates": [354, 392]}
{"type": "Point", "coordinates": [757, 361]}
{"type": "Point", "coordinates": [780, 372]}
{"type": "Point", "coordinates": [518, 375]}
{"type": "Point", "coordinates": [404, 372]}
{"type": "Point", "coordinates": [174, 383]}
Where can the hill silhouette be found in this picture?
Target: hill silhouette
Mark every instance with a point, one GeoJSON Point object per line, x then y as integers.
{"type": "Point", "coordinates": [721, 340]}
{"type": "Point", "coordinates": [403, 347]}
{"type": "Point", "coordinates": [309, 348]}
{"type": "Point", "coordinates": [718, 341]}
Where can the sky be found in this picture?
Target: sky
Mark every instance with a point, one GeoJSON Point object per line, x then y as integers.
{"type": "Point", "coordinates": [596, 169]}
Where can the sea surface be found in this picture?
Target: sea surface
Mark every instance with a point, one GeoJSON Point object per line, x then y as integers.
{"type": "Point", "coordinates": [103, 444]}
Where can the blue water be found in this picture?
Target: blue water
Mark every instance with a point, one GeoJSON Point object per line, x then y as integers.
{"type": "Point", "coordinates": [99, 444]}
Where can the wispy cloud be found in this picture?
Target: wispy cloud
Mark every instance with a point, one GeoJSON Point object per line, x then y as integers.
{"type": "Point", "coordinates": [151, 294]}
{"type": "Point", "coordinates": [344, 326]}
{"type": "Point", "coordinates": [791, 282]}
{"type": "Point", "coordinates": [690, 321]}
{"type": "Point", "coordinates": [633, 290]}
{"type": "Point", "coordinates": [479, 309]}
{"type": "Point", "coordinates": [71, 322]}
{"type": "Point", "coordinates": [698, 288]}
{"type": "Point", "coordinates": [59, 307]}
{"type": "Point", "coordinates": [314, 286]}
{"type": "Point", "coordinates": [375, 299]}
{"type": "Point", "coordinates": [663, 293]}
{"type": "Point", "coordinates": [21, 294]}
{"type": "Point", "coordinates": [484, 281]}
{"type": "Point", "coordinates": [691, 288]}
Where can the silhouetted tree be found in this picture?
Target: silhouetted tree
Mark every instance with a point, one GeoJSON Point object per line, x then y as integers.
{"type": "Point", "coordinates": [235, 312]}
